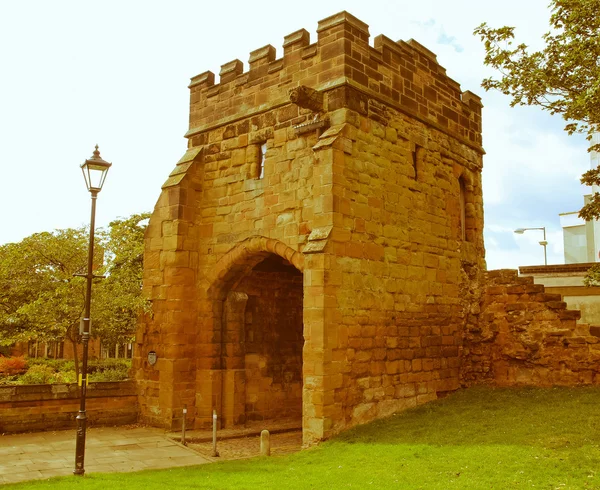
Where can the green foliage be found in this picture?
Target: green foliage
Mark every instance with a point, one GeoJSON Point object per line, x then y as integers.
{"type": "Point", "coordinates": [110, 374]}
{"type": "Point", "coordinates": [56, 364]}
{"type": "Point", "coordinates": [479, 438]}
{"type": "Point", "coordinates": [36, 375]}
{"type": "Point", "coordinates": [109, 369]}
{"type": "Point", "coordinates": [592, 276]}
{"type": "Point", "coordinates": [50, 371]}
{"type": "Point", "coordinates": [118, 301]}
{"type": "Point", "coordinates": [45, 374]}
{"type": "Point", "coordinates": [41, 299]}
{"type": "Point", "coordinates": [100, 365]}
{"type": "Point", "coordinates": [9, 366]}
{"type": "Point", "coordinates": [563, 78]}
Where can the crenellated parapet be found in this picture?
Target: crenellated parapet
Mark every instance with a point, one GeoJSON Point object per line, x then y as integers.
{"type": "Point", "coordinates": [347, 71]}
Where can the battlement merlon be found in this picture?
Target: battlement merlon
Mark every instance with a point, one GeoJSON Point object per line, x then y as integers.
{"type": "Point", "coordinates": [403, 75]}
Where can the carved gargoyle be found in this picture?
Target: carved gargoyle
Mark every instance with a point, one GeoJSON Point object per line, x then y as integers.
{"type": "Point", "coordinates": [307, 98]}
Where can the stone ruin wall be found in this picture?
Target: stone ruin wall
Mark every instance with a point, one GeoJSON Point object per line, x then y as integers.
{"type": "Point", "coordinates": [526, 336]}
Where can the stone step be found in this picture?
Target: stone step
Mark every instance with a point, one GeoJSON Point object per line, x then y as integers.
{"type": "Point", "coordinates": [582, 329]}
{"type": "Point", "coordinates": [569, 315]}
{"type": "Point", "coordinates": [550, 297]}
{"type": "Point", "coordinates": [581, 341]}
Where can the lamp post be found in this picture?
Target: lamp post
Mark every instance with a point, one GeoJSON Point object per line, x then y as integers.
{"type": "Point", "coordinates": [94, 172]}
{"type": "Point", "coordinates": [543, 243]}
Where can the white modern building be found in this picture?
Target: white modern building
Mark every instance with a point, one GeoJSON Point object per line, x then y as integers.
{"type": "Point", "coordinates": [582, 238]}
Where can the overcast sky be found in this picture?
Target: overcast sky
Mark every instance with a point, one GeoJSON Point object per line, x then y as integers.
{"type": "Point", "coordinates": [77, 73]}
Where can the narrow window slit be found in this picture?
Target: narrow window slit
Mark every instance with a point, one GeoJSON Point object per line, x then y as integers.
{"type": "Point", "coordinates": [262, 151]}
{"type": "Point", "coordinates": [463, 205]}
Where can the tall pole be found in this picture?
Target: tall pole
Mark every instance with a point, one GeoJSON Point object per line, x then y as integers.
{"type": "Point", "coordinates": [545, 243]}
{"type": "Point", "coordinates": [85, 338]}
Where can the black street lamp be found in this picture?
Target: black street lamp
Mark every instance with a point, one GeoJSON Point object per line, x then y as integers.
{"type": "Point", "coordinates": [94, 171]}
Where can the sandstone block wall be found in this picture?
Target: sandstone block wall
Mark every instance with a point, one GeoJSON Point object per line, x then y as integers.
{"type": "Point", "coordinates": [25, 408]}
{"type": "Point", "coordinates": [359, 166]}
{"type": "Point", "coordinates": [403, 263]}
{"type": "Point", "coordinates": [526, 336]}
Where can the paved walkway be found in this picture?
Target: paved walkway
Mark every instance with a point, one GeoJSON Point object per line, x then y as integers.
{"type": "Point", "coordinates": [108, 449]}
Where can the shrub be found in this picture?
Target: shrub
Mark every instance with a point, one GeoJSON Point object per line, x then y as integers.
{"type": "Point", "coordinates": [100, 365]}
{"type": "Point", "coordinates": [65, 377]}
{"type": "Point", "coordinates": [111, 374]}
{"type": "Point", "coordinates": [49, 371]}
{"type": "Point", "coordinates": [9, 366]}
{"type": "Point", "coordinates": [56, 364]}
{"type": "Point", "coordinates": [37, 375]}
{"type": "Point", "coordinates": [40, 374]}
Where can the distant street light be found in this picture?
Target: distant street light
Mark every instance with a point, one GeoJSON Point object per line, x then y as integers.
{"type": "Point", "coordinates": [543, 243]}
{"type": "Point", "coordinates": [94, 172]}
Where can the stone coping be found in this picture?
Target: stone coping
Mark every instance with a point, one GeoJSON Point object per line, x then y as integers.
{"type": "Point", "coordinates": [554, 269]}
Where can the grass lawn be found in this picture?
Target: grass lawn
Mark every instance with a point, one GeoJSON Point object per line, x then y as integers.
{"type": "Point", "coordinates": [477, 438]}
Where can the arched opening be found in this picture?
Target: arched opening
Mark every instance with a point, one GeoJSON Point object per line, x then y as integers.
{"type": "Point", "coordinates": [272, 340]}
{"type": "Point", "coordinates": [250, 363]}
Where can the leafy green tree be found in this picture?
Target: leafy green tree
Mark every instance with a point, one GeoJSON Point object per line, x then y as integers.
{"type": "Point", "coordinates": [118, 301]}
{"type": "Point", "coordinates": [40, 298]}
{"type": "Point", "coordinates": [563, 78]}
{"type": "Point", "coordinates": [49, 300]}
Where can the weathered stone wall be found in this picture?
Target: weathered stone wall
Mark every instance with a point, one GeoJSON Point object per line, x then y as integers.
{"type": "Point", "coordinates": [371, 188]}
{"type": "Point", "coordinates": [527, 337]}
{"type": "Point", "coordinates": [400, 260]}
{"type": "Point", "coordinates": [26, 408]}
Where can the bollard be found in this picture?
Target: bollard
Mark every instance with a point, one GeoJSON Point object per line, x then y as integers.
{"type": "Point", "coordinates": [215, 453]}
{"type": "Point", "coordinates": [183, 426]}
{"type": "Point", "coordinates": [265, 443]}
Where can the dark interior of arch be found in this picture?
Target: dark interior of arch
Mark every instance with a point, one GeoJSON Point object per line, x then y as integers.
{"type": "Point", "coordinates": [272, 340]}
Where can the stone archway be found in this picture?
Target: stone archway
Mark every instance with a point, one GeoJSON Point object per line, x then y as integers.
{"type": "Point", "coordinates": [250, 353]}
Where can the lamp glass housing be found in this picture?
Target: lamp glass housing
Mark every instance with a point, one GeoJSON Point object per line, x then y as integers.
{"type": "Point", "coordinates": [94, 172]}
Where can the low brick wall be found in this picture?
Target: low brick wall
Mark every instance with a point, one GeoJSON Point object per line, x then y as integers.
{"type": "Point", "coordinates": [26, 408]}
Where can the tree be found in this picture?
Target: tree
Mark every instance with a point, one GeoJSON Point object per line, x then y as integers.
{"type": "Point", "coordinates": [118, 301]}
{"type": "Point", "coordinates": [563, 78]}
{"type": "Point", "coordinates": [40, 297]}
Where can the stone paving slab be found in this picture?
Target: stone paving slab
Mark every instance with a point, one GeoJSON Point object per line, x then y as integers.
{"type": "Point", "coordinates": [108, 449]}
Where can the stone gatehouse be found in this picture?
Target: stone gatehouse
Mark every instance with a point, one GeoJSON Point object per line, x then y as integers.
{"type": "Point", "coordinates": [318, 252]}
